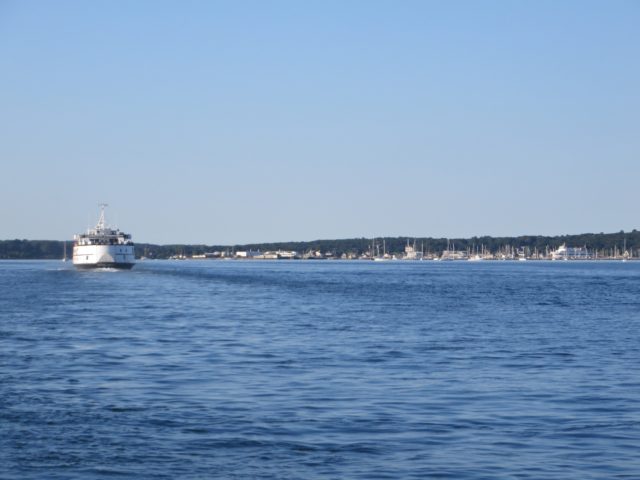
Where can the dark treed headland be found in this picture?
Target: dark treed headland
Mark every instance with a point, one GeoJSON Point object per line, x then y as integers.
{"type": "Point", "coordinates": [602, 243]}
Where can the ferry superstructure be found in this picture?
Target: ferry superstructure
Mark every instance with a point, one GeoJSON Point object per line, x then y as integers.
{"type": "Point", "coordinates": [103, 247]}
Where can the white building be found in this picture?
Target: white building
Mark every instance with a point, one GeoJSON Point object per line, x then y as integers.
{"type": "Point", "coordinates": [247, 253]}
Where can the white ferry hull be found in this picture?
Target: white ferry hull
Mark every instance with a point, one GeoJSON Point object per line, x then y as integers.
{"type": "Point", "coordinates": [103, 256]}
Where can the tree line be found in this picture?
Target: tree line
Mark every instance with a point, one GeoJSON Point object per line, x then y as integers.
{"type": "Point", "coordinates": [53, 249]}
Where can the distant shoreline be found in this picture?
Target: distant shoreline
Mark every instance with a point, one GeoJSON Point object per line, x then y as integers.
{"type": "Point", "coordinates": [600, 246]}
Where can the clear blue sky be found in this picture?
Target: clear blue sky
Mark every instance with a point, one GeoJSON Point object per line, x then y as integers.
{"type": "Point", "coordinates": [233, 122]}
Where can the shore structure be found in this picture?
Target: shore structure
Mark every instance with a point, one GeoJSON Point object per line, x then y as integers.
{"type": "Point", "coordinates": [103, 247]}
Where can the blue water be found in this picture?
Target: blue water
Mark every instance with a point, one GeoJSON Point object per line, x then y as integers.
{"type": "Point", "coordinates": [320, 370]}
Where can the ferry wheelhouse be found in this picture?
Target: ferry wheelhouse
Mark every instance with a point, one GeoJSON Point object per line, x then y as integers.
{"type": "Point", "coordinates": [103, 247]}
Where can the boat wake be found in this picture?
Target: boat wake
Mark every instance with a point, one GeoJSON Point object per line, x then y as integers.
{"type": "Point", "coordinates": [107, 269]}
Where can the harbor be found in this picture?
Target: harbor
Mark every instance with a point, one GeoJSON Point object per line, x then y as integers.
{"type": "Point", "coordinates": [587, 247]}
{"type": "Point", "coordinates": [378, 253]}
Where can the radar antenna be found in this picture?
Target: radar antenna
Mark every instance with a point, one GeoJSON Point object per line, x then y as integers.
{"type": "Point", "coordinates": [101, 222]}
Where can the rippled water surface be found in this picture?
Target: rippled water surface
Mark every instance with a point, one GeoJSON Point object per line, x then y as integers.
{"type": "Point", "coordinates": [320, 370]}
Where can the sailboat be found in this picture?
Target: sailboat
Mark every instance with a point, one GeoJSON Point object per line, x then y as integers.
{"type": "Point", "coordinates": [64, 250]}
{"type": "Point", "coordinates": [384, 256]}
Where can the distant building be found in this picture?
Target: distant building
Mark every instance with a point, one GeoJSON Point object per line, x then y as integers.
{"type": "Point", "coordinates": [247, 253]}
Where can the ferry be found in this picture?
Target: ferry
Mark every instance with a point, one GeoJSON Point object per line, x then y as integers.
{"type": "Point", "coordinates": [570, 253]}
{"type": "Point", "coordinates": [103, 247]}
